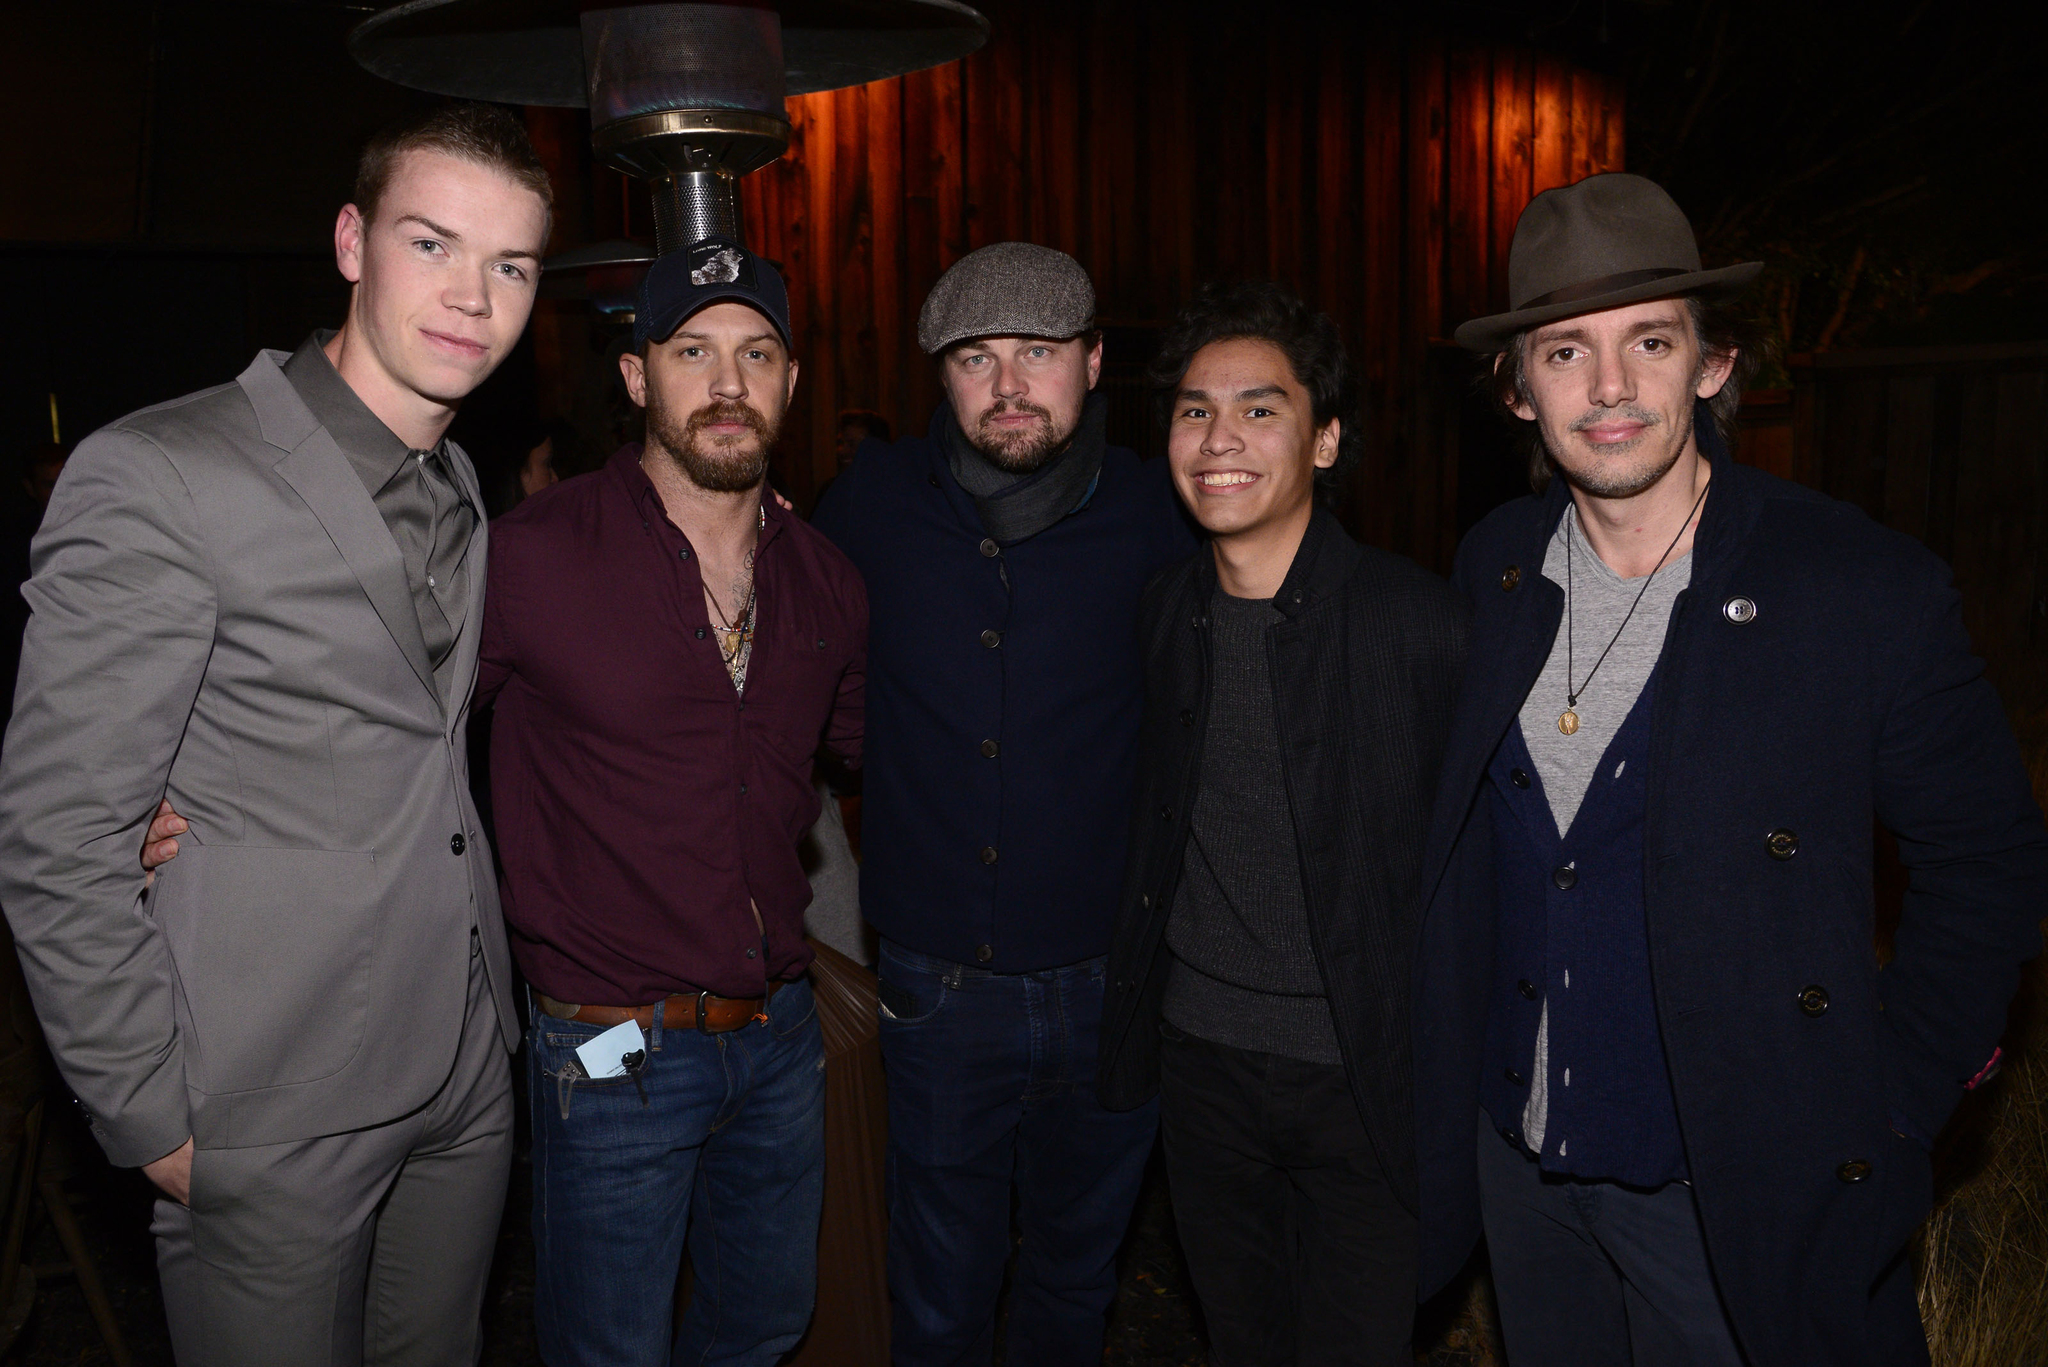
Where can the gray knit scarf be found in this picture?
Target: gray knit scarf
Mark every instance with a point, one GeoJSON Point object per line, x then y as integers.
{"type": "Point", "coordinates": [1016, 507]}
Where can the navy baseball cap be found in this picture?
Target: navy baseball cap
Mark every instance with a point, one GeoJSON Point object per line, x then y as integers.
{"type": "Point", "coordinates": [704, 273]}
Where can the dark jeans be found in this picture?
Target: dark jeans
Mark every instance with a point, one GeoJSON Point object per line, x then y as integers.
{"type": "Point", "coordinates": [1595, 1274]}
{"type": "Point", "coordinates": [720, 1135]}
{"type": "Point", "coordinates": [992, 1084]}
{"type": "Point", "coordinates": [1299, 1249]}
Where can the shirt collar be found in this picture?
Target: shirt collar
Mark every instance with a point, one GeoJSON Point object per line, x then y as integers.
{"type": "Point", "coordinates": [376, 452]}
{"type": "Point", "coordinates": [625, 464]}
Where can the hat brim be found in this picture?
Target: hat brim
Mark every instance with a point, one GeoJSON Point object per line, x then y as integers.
{"type": "Point", "coordinates": [699, 304]}
{"type": "Point", "coordinates": [1493, 332]}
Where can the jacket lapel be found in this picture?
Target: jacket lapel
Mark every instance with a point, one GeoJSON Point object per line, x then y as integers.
{"type": "Point", "coordinates": [1507, 652]}
{"type": "Point", "coordinates": [320, 472]}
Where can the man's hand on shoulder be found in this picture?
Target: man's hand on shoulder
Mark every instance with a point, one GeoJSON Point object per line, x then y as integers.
{"type": "Point", "coordinates": [158, 849]}
{"type": "Point", "coordinates": [173, 1173]}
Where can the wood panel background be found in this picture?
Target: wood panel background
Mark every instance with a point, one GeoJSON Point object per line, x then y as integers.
{"type": "Point", "coordinates": [1376, 167]}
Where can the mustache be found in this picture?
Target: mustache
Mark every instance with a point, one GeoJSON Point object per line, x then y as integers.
{"type": "Point", "coordinates": [1001, 406]}
{"type": "Point", "coordinates": [729, 411]}
{"type": "Point", "coordinates": [1595, 416]}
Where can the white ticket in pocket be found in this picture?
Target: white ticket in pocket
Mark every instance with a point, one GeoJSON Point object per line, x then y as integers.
{"type": "Point", "coordinates": [605, 1056]}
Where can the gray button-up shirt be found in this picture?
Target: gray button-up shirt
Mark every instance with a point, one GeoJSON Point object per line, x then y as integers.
{"type": "Point", "coordinates": [415, 493]}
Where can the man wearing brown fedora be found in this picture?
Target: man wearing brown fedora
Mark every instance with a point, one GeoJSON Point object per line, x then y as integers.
{"type": "Point", "coordinates": [1657, 1063]}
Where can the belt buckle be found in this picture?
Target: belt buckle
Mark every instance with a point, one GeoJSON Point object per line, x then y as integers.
{"type": "Point", "coordinates": [704, 1013]}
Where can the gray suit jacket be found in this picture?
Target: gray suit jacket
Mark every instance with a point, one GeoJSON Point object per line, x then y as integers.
{"type": "Point", "coordinates": [221, 617]}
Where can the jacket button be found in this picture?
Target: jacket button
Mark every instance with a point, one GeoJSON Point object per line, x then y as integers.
{"type": "Point", "coordinates": [1514, 1077]}
{"type": "Point", "coordinates": [1739, 610]}
{"type": "Point", "coordinates": [1509, 578]}
{"type": "Point", "coordinates": [1187, 716]}
{"type": "Point", "coordinates": [1855, 1170]}
{"type": "Point", "coordinates": [983, 953]}
{"type": "Point", "coordinates": [1782, 844]}
{"type": "Point", "coordinates": [988, 854]}
{"type": "Point", "coordinates": [989, 749]}
{"type": "Point", "coordinates": [1518, 778]}
{"type": "Point", "coordinates": [1527, 989]}
{"type": "Point", "coordinates": [1145, 900]}
{"type": "Point", "coordinates": [991, 639]}
{"type": "Point", "coordinates": [1566, 877]}
{"type": "Point", "coordinates": [456, 844]}
{"type": "Point", "coordinates": [990, 548]}
{"type": "Point", "coordinates": [1814, 1001]}
{"type": "Point", "coordinates": [1166, 813]}
{"type": "Point", "coordinates": [934, 480]}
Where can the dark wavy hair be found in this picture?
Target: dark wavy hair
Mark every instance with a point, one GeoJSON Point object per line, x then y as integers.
{"type": "Point", "coordinates": [1719, 331]}
{"type": "Point", "coordinates": [1265, 312]}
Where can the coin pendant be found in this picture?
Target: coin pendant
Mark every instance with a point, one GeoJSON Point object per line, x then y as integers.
{"type": "Point", "coordinates": [1568, 721]}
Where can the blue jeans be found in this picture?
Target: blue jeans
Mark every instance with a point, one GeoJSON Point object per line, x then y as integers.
{"type": "Point", "coordinates": [720, 1135]}
{"type": "Point", "coordinates": [1596, 1274]}
{"type": "Point", "coordinates": [992, 1084]}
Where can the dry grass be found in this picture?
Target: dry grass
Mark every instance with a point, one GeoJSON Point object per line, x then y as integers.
{"type": "Point", "coordinates": [1984, 1256]}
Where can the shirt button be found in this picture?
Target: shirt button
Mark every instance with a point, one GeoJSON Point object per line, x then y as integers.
{"type": "Point", "coordinates": [684, 554]}
{"type": "Point", "coordinates": [456, 844]}
{"type": "Point", "coordinates": [990, 548]}
{"type": "Point", "coordinates": [1527, 989]}
{"type": "Point", "coordinates": [743, 790]}
{"type": "Point", "coordinates": [1782, 844]}
{"type": "Point", "coordinates": [700, 633]}
{"type": "Point", "coordinates": [1855, 1170]}
{"type": "Point", "coordinates": [1166, 813]}
{"type": "Point", "coordinates": [934, 480]}
{"type": "Point", "coordinates": [753, 954]}
{"type": "Point", "coordinates": [1814, 1001]}
{"type": "Point", "coordinates": [1518, 778]}
{"type": "Point", "coordinates": [983, 953]}
{"type": "Point", "coordinates": [991, 639]}
{"type": "Point", "coordinates": [988, 854]}
{"type": "Point", "coordinates": [1566, 877]}
{"type": "Point", "coordinates": [1187, 716]}
{"type": "Point", "coordinates": [989, 749]}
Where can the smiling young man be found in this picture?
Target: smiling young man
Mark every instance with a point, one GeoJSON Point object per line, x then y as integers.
{"type": "Point", "coordinates": [262, 602]}
{"type": "Point", "coordinates": [1657, 1059]}
{"type": "Point", "coordinates": [1298, 692]}
{"type": "Point", "coordinates": [668, 648]}
{"type": "Point", "coordinates": [1004, 554]}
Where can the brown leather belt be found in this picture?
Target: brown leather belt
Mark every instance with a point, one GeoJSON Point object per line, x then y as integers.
{"type": "Point", "coordinates": [684, 1011]}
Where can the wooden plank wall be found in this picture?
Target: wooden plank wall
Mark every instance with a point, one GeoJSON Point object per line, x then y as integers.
{"type": "Point", "coordinates": [1950, 446]}
{"type": "Point", "coordinates": [1378, 169]}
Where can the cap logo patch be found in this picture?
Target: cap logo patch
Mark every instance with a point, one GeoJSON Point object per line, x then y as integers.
{"type": "Point", "coordinates": [720, 266]}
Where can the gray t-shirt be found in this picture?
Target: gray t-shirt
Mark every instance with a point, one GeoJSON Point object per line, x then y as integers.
{"type": "Point", "coordinates": [1243, 972]}
{"type": "Point", "coordinates": [1600, 600]}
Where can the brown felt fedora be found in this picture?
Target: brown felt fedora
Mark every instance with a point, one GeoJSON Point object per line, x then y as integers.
{"type": "Point", "coordinates": [1609, 240]}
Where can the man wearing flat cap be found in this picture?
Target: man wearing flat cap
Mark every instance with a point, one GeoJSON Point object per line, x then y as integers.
{"type": "Point", "coordinates": [1004, 554]}
{"type": "Point", "coordinates": [1657, 1061]}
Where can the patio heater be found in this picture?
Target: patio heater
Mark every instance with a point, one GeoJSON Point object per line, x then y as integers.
{"type": "Point", "coordinates": [688, 97]}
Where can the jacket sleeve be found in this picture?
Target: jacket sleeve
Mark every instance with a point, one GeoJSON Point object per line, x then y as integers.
{"type": "Point", "coordinates": [123, 610]}
{"type": "Point", "coordinates": [1952, 790]}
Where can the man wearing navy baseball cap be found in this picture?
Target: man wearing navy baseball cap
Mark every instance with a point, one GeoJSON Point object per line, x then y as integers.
{"type": "Point", "coordinates": [667, 649]}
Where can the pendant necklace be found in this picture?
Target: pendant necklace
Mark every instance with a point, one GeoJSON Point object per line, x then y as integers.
{"type": "Point", "coordinates": [1568, 720]}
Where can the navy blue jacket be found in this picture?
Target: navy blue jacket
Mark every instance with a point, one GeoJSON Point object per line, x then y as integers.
{"type": "Point", "coordinates": [1003, 700]}
{"type": "Point", "coordinates": [1780, 737]}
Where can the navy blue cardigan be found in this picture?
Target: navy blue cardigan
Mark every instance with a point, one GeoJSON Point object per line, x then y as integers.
{"type": "Point", "coordinates": [1849, 693]}
{"type": "Point", "coordinates": [1004, 693]}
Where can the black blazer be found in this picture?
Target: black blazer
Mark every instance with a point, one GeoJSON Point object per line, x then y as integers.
{"type": "Point", "coordinates": [1815, 675]}
{"type": "Point", "coordinates": [1364, 667]}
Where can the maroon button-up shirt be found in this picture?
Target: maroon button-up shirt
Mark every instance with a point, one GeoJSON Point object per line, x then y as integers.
{"type": "Point", "coordinates": [640, 802]}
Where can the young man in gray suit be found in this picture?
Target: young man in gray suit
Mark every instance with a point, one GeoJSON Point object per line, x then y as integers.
{"type": "Point", "coordinates": [262, 603]}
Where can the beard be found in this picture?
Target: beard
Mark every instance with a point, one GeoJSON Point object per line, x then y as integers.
{"type": "Point", "coordinates": [1626, 470]}
{"type": "Point", "coordinates": [716, 464]}
{"type": "Point", "coordinates": [1019, 452]}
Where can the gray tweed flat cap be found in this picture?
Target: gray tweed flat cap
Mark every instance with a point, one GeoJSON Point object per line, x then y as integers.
{"type": "Point", "coordinates": [1007, 289]}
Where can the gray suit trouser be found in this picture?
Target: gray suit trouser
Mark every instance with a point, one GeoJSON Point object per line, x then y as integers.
{"type": "Point", "coordinates": [369, 1247]}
